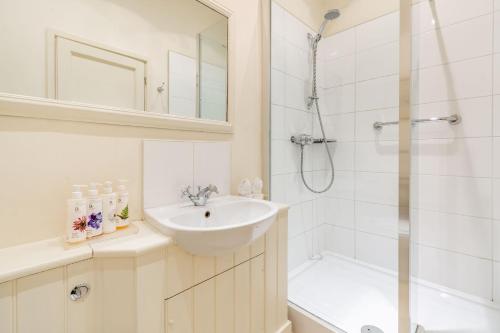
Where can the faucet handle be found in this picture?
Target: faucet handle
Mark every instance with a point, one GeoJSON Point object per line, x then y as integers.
{"type": "Point", "coordinates": [186, 192]}
{"type": "Point", "coordinates": [213, 188]}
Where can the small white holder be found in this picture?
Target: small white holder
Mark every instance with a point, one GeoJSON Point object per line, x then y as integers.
{"type": "Point", "coordinates": [251, 189]}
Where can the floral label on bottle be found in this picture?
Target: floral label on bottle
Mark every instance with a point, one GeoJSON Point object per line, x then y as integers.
{"type": "Point", "coordinates": [77, 228]}
{"type": "Point", "coordinates": [121, 216]}
{"type": "Point", "coordinates": [94, 218]}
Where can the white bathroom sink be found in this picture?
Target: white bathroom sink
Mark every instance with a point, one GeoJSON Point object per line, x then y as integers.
{"type": "Point", "coordinates": [222, 226]}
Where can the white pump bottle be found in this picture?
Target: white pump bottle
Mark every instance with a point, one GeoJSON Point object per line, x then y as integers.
{"type": "Point", "coordinates": [76, 224]}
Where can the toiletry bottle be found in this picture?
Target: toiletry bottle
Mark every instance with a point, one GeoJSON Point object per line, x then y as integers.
{"type": "Point", "coordinates": [108, 208]}
{"type": "Point", "coordinates": [121, 216]}
{"type": "Point", "coordinates": [76, 223]}
{"type": "Point", "coordinates": [94, 211]}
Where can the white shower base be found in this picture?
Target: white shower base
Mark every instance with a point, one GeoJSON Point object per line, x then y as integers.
{"type": "Point", "coordinates": [349, 295]}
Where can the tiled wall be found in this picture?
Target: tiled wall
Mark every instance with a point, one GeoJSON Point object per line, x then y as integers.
{"type": "Point", "coordinates": [360, 81]}
{"type": "Point", "coordinates": [455, 177]}
{"type": "Point", "coordinates": [455, 234]}
{"type": "Point", "coordinates": [170, 166]}
{"type": "Point", "coordinates": [290, 86]}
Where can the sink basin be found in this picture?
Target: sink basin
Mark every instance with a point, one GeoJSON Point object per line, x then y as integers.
{"type": "Point", "coordinates": [222, 226]}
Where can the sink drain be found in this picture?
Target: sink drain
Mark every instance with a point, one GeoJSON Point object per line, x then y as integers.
{"type": "Point", "coordinates": [371, 329]}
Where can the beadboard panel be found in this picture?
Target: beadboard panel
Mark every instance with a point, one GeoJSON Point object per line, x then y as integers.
{"type": "Point", "coordinates": [7, 307]}
{"type": "Point", "coordinates": [41, 302]}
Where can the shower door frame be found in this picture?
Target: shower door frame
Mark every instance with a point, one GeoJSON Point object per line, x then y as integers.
{"type": "Point", "coordinates": [405, 41]}
{"type": "Point", "coordinates": [405, 53]}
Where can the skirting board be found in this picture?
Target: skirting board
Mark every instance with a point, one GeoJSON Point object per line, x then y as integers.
{"type": "Point", "coordinates": [287, 328]}
{"type": "Point", "coordinates": [304, 322]}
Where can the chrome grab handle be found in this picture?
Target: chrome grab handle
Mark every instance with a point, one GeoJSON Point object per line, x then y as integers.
{"type": "Point", "coordinates": [454, 119]}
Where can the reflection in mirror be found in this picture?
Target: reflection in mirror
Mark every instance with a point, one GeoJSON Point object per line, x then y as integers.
{"type": "Point", "coordinates": [163, 56]}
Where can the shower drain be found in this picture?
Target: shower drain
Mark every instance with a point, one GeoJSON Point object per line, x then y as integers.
{"type": "Point", "coordinates": [371, 329]}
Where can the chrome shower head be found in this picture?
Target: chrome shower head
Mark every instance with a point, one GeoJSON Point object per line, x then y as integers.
{"type": "Point", "coordinates": [330, 15]}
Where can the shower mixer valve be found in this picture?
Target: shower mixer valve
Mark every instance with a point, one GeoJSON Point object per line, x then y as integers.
{"type": "Point", "coordinates": [306, 140]}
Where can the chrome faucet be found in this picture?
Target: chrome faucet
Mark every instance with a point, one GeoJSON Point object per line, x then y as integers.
{"type": "Point", "coordinates": [201, 198]}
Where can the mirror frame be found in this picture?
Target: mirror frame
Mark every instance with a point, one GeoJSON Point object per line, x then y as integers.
{"type": "Point", "coordinates": [14, 105]}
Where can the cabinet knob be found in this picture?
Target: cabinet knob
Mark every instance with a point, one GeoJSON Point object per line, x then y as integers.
{"type": "Point", "coordinates": [79, 291]}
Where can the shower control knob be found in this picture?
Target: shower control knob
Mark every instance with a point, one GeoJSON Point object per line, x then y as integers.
{"type": "Point", "coordinates": [302, 139]}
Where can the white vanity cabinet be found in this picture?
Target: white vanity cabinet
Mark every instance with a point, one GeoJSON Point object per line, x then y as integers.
{"type": "Point", "coordinates": [158, 290]}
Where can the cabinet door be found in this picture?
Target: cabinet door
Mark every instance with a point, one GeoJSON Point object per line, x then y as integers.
{"type": "Point", "coordinates": [41, 302]}
{"type": "Point", "coordinates": [224, 302]}
{"type": "Point", "coordinates": [6, 307]}
{"type": "Point", "coordinates": [257, 303]}
{"type": "Point", "coordinates": [82, 314]}
{"type": "Point", "coordinates": [204, 307]}
{"type": "Point", "coordinates": [180, 313]}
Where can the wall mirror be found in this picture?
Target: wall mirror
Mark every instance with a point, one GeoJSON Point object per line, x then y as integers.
{"type": "Point", "coordinates": [157, 57]}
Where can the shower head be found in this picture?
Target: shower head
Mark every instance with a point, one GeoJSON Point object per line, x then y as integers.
{"type": "Point", "coordinates": [330, 15]}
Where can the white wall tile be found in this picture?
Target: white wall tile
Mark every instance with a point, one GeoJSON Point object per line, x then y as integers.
{"type": "Point", "coordinates": [297, 122]}
{"type": "Point", "coordinates": [339, 100]}
{"type": "Point", "coordinates": [464, 79]}
{"type": "Point", "coordinates": [343, 187]}
{"type": "Point", "coordinates": [453, 157]}
{"type": "Point", "coordinates": [339, 71]}
{"type": "Point", "coordinates": [366, 119]}
{"type": "Point", "coordinates": [496, 115]}
{"type": "Point", "coordinates": [296, 32]}
{"type": "Point", "coordinates": [447, 12]}
{"type": "Point", "coordinates": [378, 61]}
{"type": "Point", "coordinates": [168, 168]}
{"type": "Point", "coordinates": [285, 158]}
{"type": "Point", "coordinates": [278, 87]}
{"type": "Point", "coordinates": [319, 210]}
{"type": "Point", "coordinates": [454, 195]}
{"type": "Point", "coordinates": [377, 32]}
{"type": "Point", "coordinates": [464, 40]}
{"type": "Point", "coordinates": [296, 92]}
{"type": "Point", "coordinates": [496, 199]}
{"type": "Point", "coordinates": [496, 74]}
{"type": "Point", "coordinates": [296, 61]}
{"type": "Point", "coordinates": [278, 122]}
{"type": "Point", "coordinates": [375, 187]}
{"type": "Point", "coordinates": [212, 165]}
{"type": "Point", "coordinates": [476, 116]}
{"type": "Point", "coordinates": [457, 271]}
{"type": "Point", "coordinates": [340, 241]}
{"type": "Point", "coordinates": [377, 219]}
{"type": "Point", "coordinates": [278, 188]}
{"type": "Point", "coordinates": [338, 45]}
{"type": "Point", "coordinates": [496, 240]}
{"type": "Point", "coordinates": [278, 50]}
{"type": "Point", "coordinates": [278, 23]}
{"type": "Point", "coordinates": [300, 218]}
{"type": "Point", "coordinates": [497, 4]}
{"type": "Point", "coordinates": [496, 32]}
{"type": "Point", "coordinates": [340, 127]}
{"type": "Point", "coordinates": [463, 234]}
{"type": "Point", "coordinates": [496, 281]}
{"type": "Point", "coordinates": [377, 250]}
{"type": "Point", "coordinates": [340, 212]}
{"type": "Point", "coordinates": [299, 250]}
{"type": "Point", "coordinates": [496, 157]}
{"type": "Point", "coordinates": [377, 156]}
{"type": "Point", "coordinates": [378, 93]}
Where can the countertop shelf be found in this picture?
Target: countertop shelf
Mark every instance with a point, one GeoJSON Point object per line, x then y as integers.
{"type": "Point", "coordinates": [31, 258]}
